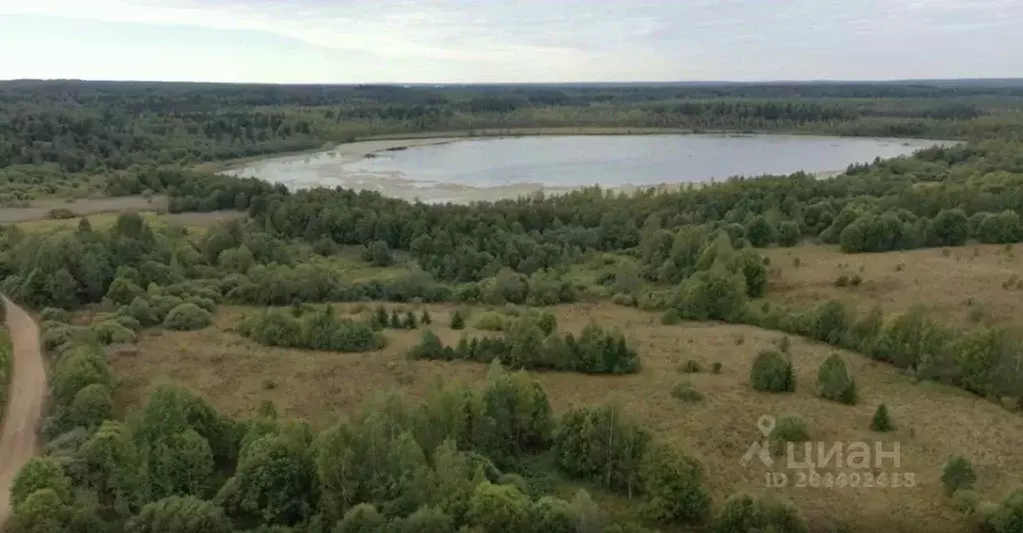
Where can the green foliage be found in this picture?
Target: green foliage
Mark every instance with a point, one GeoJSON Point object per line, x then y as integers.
{"type": "Point", "coordinates": [315, 329]}
{"type": "Point", "coordinates": [789, 233]}
{"type": "Point", "coordinates": [499, 508]}
{"type": "Point", "coordinates": [177, 514]}
{"type": "Point", "coordinates": [43, 511]}
{"type": "Point", "coordinates": [950, 227]}
{"type": "Point", "coordinates": [600, 445]}
{"type": "Point", "coordinates": [91, 406]}
{"type": "Point", "coordinates": [673, 485]}
{"type": "Point", "coordinates": [85, 365]}
{"type": "Point", "coordinates": [363, 518]}
{"type": "Point", "coordinates": [111, 332]}
{"type": "Point", "coordinates": [595, 351]}
{"type": "Point", "coordinates": [742, 513]}
{"type": "Point", "coordinates": [772, 372]}
{"type": "Point", "coordinates": [490, 321]}
{"type": "Point", "coordinates": [716, 294]}
{"type": "Point", "coordinates": [457, 320]}
{"type": "Point", "coordinates": [835, 382]}
{"type": "Point", "coordinates": [186, 317]}
{"type": "Point", "coordinates": [684, 392]}
{"type": "Point", "coordinates": [881, 420]}
{"type": "Point", "coordinates": [958, 475]}
{"type": "Point", "coordinates": [670, 317]}
{"type": "Point", "coordinates": [38, 474]}
{"type": "Point", "coordinates": [788, 429]}
{"type": "Point", "coordinates": [691, 366]}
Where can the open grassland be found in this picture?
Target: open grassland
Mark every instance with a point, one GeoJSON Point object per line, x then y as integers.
{"type": "Point", "coordinates": [975, 284]}
{"type": "Point", "coordinates": [933, 422]}
{"type": "Point", "coordinates": [194, 222]}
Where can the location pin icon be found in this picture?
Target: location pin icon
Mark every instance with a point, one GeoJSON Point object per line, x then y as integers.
{"type": "Point", "coordinates": [766, 425]}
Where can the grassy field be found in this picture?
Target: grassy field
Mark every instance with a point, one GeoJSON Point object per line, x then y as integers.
{"type": "Point", "coordinates": [194, 222]}
{"type": "Point", "coordinates": [963, 285]}
{"type": "Point", "coordinates": [933, 422]}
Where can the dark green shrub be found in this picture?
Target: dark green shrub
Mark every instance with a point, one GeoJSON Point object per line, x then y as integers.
{"type": "Point", "coordinates": [716, 367]}
{"type": "Point", "coordinates": [547, 323]}
{"type": "Point", "coordinates": [789, 233]}
{"type": "Point", "coordinates": [881, 420]}
{"type": "Point", "coordinates": [772, 372]}
{"type": "Point", "coordinates": [691, 366]}
{"type": "Point", "coordinates": [187, 317]}
{"type": "Point", "coordinates": [426, 319]}
{"type": "Point", "coordinates": [835, 382]}
{"type": "Point", "coordinates": [958, 475]}
{"type": "Point", "coordinates": [457, 320]}
{"type": "Point", "coordinates": [410, 321]}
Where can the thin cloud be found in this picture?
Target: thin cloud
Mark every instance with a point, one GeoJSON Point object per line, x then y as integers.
{"type": "Point", "coordinates": [562, 40]}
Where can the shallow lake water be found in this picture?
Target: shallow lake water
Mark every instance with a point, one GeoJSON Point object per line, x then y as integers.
{"type": "Point", "coordinates": [478, 169]}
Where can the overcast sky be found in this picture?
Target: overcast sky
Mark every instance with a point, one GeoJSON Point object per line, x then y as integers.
{"type": "Point", "coordinates": [365, 41]}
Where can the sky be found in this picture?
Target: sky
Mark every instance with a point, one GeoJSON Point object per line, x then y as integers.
{"type": "Point", "coordinates": [490, 41]}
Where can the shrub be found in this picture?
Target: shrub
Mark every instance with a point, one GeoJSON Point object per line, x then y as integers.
{"type": "Point", "coordinates": [425, 319]}
{"type": "Point", "coordinates": [457, 320]}
{"type": "Point", "coordinates": [742, 513]}
{"type": "Point", "coordinates": [965, 501]}
{"type": "Point", "coordinates": [789, 233]}
{"type": "Point", "coordinates": [128, 322]}
{"type": "Point", "coordinates": [547, 323]}
{"type": "Point", "coordinates": [39, 474]}
{"type": "Point", "coordinates": [772, 372]}
{"type": "Point", "coordinates": [410, 321]}
{"type": "Point", "coordinates": [881, 421]}
{"type": "Point", "coordinates": [789, 428]}
{"type": "Point", "coordinates": [91, 406]}
{"type": "Point", "coordinates": [716, 367]}
{"type": "Point", "coordinates": [111, 332]}
{"type": "Point", "coordinates": [140, 310]}
{"type": "Point", "coordinates": [958, 475]}
{"type": "Point", "coordinates": [674, 487]}
{"type": "Point", "coordinates": [691, 366]}
{"type": "Point", "coordinates": [670, 317]}
{"type": "Point", "coordinates": [490, 321]}
{"type": "Point", "coordinates": [835, 382]}
{"type": "Point", "coordinates": [54, 314]}
{"type": "Point", "coordinates": [684, 391]}
{"type": "Point", "coordinates": [187, 317]}
{"type": "Point", "coordinates": [842, 281]}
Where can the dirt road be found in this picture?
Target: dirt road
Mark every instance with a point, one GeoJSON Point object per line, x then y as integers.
{"type": "Point", "coordinates": [24, 404]}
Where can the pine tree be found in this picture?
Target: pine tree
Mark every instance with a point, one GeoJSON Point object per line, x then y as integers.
{"type": "Point", "coordinates": [881, 420]}
{"type": "Point", "coordinates": [410, 321]}
{"type": "Point", "coordinates": [457, 321]}
{"type": "Point", "coordinates": [380, 318]}
{"type": "Point", "coordinates": [395, 319]}
{"type": "Point", "coordinates": [425, 319]}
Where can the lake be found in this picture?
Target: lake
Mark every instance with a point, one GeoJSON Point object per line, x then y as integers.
{"type": "Point", "coordinates": [492, 168]}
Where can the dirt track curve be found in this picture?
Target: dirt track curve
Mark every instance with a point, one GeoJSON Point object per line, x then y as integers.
{"type": "Point", "coordinates": [27, 395]}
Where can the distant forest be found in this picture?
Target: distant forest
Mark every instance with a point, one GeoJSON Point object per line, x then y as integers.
{"type": "Point", "coordinates": [68, 138]}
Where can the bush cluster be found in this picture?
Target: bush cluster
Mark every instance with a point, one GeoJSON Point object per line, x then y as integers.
{"type": "Point", "coordinates": [315, 328]}
{"type": "Point", "coordinates": [594, 351]}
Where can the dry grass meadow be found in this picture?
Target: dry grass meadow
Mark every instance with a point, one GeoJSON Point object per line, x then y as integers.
{"type": "Point", "coordinates": [933, 422]}
{"type": "Point", "coordinates": [975, 284]}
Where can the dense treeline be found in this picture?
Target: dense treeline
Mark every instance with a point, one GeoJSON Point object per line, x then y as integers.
{"type": "Point", "coordinates": [527, 344]}
{"type": "Point", "coordinates": [56, 134]}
